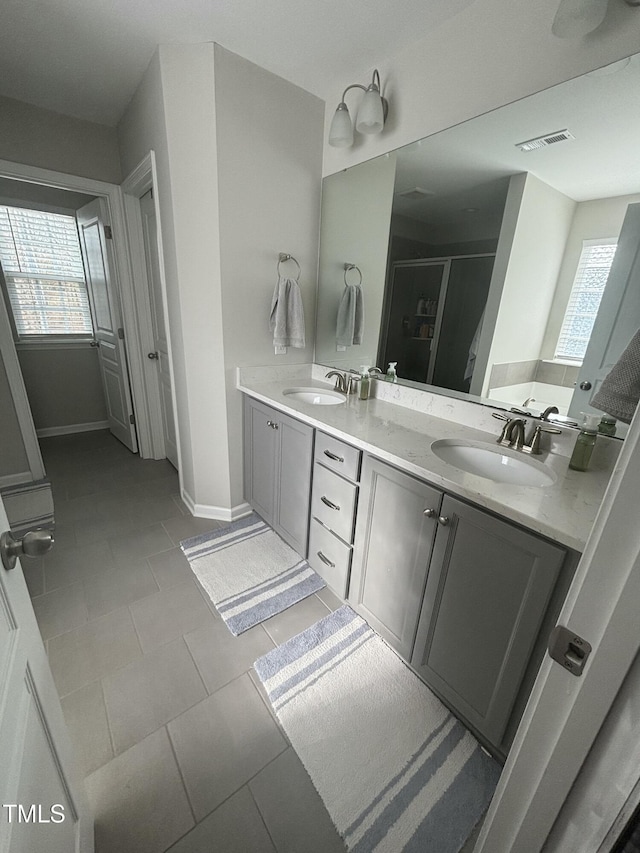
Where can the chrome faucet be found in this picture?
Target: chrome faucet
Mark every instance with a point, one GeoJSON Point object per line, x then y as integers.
{"type": "Point", "coordinates": [346, 383]}
{"type": "Point", "coordinates": [512, 434]}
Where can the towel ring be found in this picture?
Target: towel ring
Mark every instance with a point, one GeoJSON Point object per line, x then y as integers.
{"type": "Point", "coordinates": [348, 267]}
{"type": "Point", "coordinates": [282, 257]}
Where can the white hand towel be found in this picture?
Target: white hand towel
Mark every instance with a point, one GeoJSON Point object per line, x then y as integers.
{"type": "Point", "coordinates": [620, 390]}
{"type": "Point", "coordinates": [350, 323]}
{"type": "Point", "coordinates": [287, 315]}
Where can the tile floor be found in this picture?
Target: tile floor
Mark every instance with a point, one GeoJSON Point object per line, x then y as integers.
{"type": "Point", "coordinates": [179, 746]}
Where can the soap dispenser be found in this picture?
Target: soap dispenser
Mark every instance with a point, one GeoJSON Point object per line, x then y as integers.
{"type": "Point", "coordinates": [391, 372]}
{"type": "Point", "coordinates": [365, 382]}
{"type": "Point", "coordinates": [585, 443]}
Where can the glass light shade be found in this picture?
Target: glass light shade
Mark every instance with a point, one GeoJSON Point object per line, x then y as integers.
{"type": "Point", "coordinates": [341, 131]}
{"type": "Point", "coordinates": [371, 114]}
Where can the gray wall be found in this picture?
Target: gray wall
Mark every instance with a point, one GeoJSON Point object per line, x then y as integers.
{"type": "Point", "coordinates": [13, 458]}
{"type": "Point", "coordinates": [42, 138]}
{"type": "Point", "coordinates": [63, 385]}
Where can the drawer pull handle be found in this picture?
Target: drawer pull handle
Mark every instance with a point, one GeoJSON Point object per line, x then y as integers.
{"type": "Point", "coordinates": [326, 560]}
{"type": "Point", "coordinates": [272, 424]}
{"type": "Point", "coordinates": [333, 456]}
{"type": "Point", "coordinates": [329, 503]}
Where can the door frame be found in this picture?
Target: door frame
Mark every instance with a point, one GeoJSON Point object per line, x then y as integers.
{"type": "Point", "coordinates": [132, 308]}
{"type": "Point", "coordinates": [139, 181]}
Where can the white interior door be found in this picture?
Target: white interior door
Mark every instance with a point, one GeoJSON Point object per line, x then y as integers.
{"type": "Point", "coordinates": [107, 321]}
{"type": "Point", "coordinates": [160, 350]}
{"type": "Point", "coordinates": [618, 316]}
{"type": "Point", "coordinates": [43, 806]}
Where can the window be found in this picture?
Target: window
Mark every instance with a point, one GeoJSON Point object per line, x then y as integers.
{"type": "Point", "coordinates": [42, 264]}
{"type": "Point", "coordinates": [588, 287]}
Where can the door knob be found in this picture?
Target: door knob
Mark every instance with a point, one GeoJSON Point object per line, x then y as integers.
{"type": "Point", "coordinates": [430, 513]}
{"type": "Point", "coordinates": [153, 356]}
{"type": "Point", "coordinates": [95, 343]}
{"type": "Point", "coordinates": [35, 543]}
{"type": "Point", "coordinates": [443, 520]}
{"type": "Point", "coordinates": [585, 386]}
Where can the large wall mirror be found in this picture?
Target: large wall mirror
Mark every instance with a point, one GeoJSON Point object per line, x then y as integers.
{"type": "Point", "coordinates": [500, 258]}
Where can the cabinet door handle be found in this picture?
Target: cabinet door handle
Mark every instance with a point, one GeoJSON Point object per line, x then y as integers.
{"type": "Point", "coordinates": [329, 503]}
{"type": "Point", "coordinates": [333, 456]}
{"type": "Point", "coordinates": [326, 560]}
{"type": "Point", "coordinates": [272, 424]}
{"type": "Point", "coordinates": [430, 513]}
{"type": "Point", "coordinates": [443, 520]}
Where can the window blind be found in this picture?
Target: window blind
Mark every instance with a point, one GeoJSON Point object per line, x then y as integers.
{"type": "Point", "coordinates": [588, 286]}
{"type": "Point", "coordinates": [42, 263]}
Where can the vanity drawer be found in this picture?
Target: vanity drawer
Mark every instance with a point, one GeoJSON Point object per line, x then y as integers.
{"type": "Point", "coordinates": [338, 456]}
{"type": "Point", "coordinates": [329, 557]}
{"type": "Point", "coordinates": [333, 502]}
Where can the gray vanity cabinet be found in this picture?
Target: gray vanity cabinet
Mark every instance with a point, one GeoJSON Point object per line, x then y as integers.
{"type": "Point", "coordinates": [278, 455]}
{"type": "Point", "coordinates": [395, 528]}
{"type": "Point", "coordinates": [486, 596]}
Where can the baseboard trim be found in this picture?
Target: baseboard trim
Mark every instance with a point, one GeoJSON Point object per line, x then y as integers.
{"type": "Point", "coordinates": [15, 479]}
{"type": "Point", "coordinates": [46, 432]}
{"type": "Point", "coordinates": [217, 513]}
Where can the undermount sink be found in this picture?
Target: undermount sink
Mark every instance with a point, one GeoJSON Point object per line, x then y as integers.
{"type": "Point", "coordinates": [315, 396]}
{"type": "Point", "coordinates": [493, 463]}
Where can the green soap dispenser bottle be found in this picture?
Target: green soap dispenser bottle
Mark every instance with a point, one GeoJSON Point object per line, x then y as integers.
{"type": "Point", "coordinates": [585, 443]}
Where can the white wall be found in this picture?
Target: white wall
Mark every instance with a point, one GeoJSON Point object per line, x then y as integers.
{"type": "Point", "coordinates": [592, 220]}
{"type": "Point", "coordinates": [13, 456]}
{"type": "Point", "coordinates": [489, 54]}
{"type": "Point", "coordinates": [537, 249]}
{"type": "Point", "coordinates": [42, 138]}
{"type": "Point", "coordinates": [172, 112]}
{"type": "Point", "coordinates": [269, 150]}
{"type": "Point", "coordinates": [356, 218]}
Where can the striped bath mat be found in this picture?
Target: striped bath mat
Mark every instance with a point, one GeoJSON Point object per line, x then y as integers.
{"type": "Point", "coordinates": [249, 573]}
{"type": "Point", "coordinates": [395, 769]}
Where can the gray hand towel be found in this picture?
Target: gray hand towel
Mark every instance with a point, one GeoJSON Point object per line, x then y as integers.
{"type": "Point", "coordinates": [620, 390]}
{"type": "Point", "coordinates": [350, 324]}
{"type": "Point", "coordinates": [287, 314]}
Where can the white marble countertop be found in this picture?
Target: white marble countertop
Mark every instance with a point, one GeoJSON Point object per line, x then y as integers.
{"type": "Point", "coordinates": [564, 511]}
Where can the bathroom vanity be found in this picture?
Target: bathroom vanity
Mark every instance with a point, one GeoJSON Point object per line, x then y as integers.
{"type": "Point", "coordinates": [462, 576]}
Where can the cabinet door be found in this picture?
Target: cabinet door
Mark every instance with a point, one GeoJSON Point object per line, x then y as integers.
{"type": "Point", "coordinates": [293, 481]}
{"type": "Point", "coordinates": [391, 553]}
{"type": "Point", "coordinates": [260, 446]}
{"type": "Point", "coordinates": [488, 589]}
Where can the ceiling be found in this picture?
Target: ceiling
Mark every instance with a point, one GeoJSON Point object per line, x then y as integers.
{"type": "Point", "coordinates": [465, 166]}
{"type": "Point", "coordinates": [86, 59]}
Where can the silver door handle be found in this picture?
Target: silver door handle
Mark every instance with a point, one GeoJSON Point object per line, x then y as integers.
{"type": "Point", "coordinates": [35, 543]}
{"type": "Point", "coordinates": [333, 456]}
{"type": "Point", "coordinates": [329, 503]}
{"type": "Point", "coordinates": [326, 560]}
{"type": "Point", "coordinates": [585, 386]}
{"type": "Point", "coordinates": [153, 356]}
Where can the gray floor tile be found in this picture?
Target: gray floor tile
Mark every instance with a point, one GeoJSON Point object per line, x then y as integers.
{"type": "Point", "coordinates": [292, 809]}
{"type": "Point", "coordinates": [93, 650]}
{"type": "Point", "coordinates": [64, 566]}
{"type": "Point", "coordinates": [169, 614]}
{"type": "Point", "coordinates": [83, 485]}
{"type": "Point", "coordinates": [223, 742]}
{"type": "Point", "coordinates": [330, 599]}
{"type": "Point", "coordinates": [234, 827]}
{"type": "Point", "coordinates": [90, 530]}
{"type": "Point", "coordinates": [114, 588]}
{"type": "Point", "coordinates": [295, 619]}
{"type": "Point", "coordinates": [150, 691]}
{"type": "Point", "coordinates": [68, 511]}
{"type": "Point", "coordinates": [138, 799]}
{"type": "Point", "coordinates": [139, 543]}
{"type": "Point", "coordinates": [33, 571]}
{"type": "Point", "coordinates": [61, 610]}
{"type": "Point", "coordinates": [185, 526]}
{"type": "Point", "coordinates": [253, 675]}
{"type": "Point", "coordinates": [152, 510]}
{"type": "Point", "coordinates": [64, 535]}
{"type": "Point", "coordinates": [86, 718]}
{"type": "Point", "coordinates": [170, 568]}
{"type": "Point", "coordinates": [221, 657]}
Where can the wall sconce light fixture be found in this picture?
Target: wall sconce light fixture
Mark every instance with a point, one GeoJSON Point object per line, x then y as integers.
{"type": "Point", "coordinates": [370, 118]}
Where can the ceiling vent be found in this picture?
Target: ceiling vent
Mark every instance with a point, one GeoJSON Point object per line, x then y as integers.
{"type": "Point", "coordinates": [544, 141]}
{"type": "Point", "coordinates": [415, 194]}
